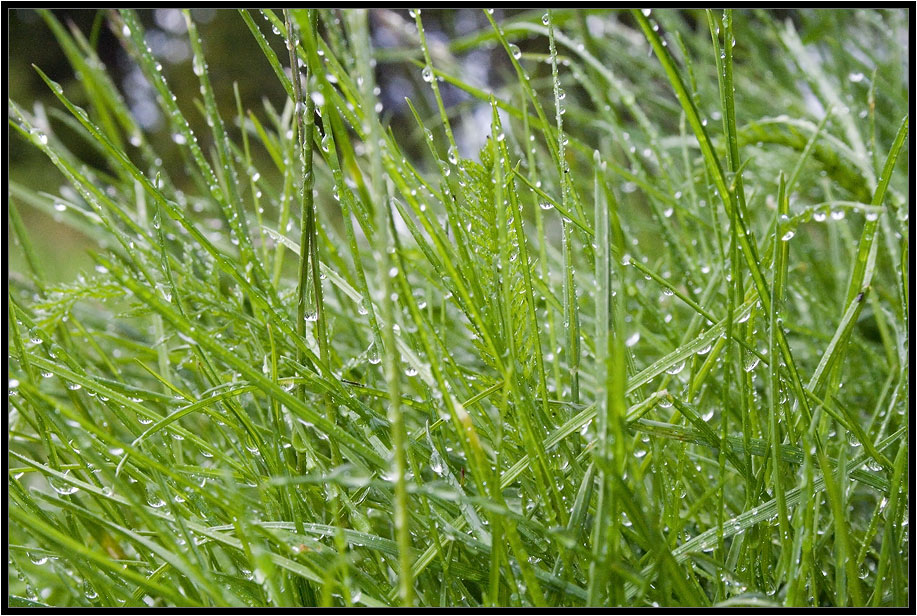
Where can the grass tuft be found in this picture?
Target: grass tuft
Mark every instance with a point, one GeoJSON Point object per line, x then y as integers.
{"type": "Point", "coordinates": [623, 321]}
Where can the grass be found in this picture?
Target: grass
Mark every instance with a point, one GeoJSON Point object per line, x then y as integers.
{"type": "Point", "coordinates": [645, 344]}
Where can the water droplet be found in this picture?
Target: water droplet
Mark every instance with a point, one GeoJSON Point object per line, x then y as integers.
{"type": "Point", "coordinates": [788, 235]}
{"type": "Point", "coordinates": [374, 358]}
{"type": "Point", "coordinates": [179, 138]}
{"type": "Point", "coordinates": [837, 215]}
{"type": "Point", "coordinates": [427, 74]}
{"type": "Point", "coordinates": [546, 19]}
{"type": "Point", "coordinates": [633, 339]}
{"type": "Point", "coordinates": [819, 216]}
{"type": "Point", "coordinates": [856, 77]}
{"type": "Point", "coordinates": [38, 136]}
{"type": "Point", "coordinates": [646, 12]}
{"type": "Point", "coordinates": [61, 486]}
{"type": "Point", "coordinates": [514, 49]}
{"type": "Point", "coordinates": [676, 368]}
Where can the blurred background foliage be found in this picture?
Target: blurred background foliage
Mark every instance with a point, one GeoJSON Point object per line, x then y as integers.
{"type": "Point", "coordinates": [235, 60]}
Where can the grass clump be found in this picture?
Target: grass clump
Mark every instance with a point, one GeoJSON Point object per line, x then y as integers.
{"type": "Point", "coordinates": [625, 325]}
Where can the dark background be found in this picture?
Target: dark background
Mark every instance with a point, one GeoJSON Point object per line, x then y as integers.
{"type": "Point", "coordinates": [233, 57]}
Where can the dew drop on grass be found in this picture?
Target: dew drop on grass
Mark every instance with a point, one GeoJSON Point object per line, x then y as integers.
{"type": "Point", "coordinates": [837, 215]}
{"type": "Point", "coordinates": [546, 19]}
{"type": "Point", "coordinates": [153, 499]}
{"type": "Point", "coordinates": [788, 235]}
{"type": "Point", "coordinates": [752, 363]}
{"type": "Point", "coordinates": [427, 74]}
{"type": "Point", "coordinates": [546, 205]}
{"type": "Point", "coordinates": [39, 137]}
{"type": "Point", "coordinates": [676, 368]}
{"type": "Point", "coordinates": [633, 339]}
{"type": "Point", "coordinates": [514, 49]}
{"type": "Point", "coordinates": [646, 12]}
{"type": "Point", "coordinates": [62, 487]}
{"type": "Point", "coordinates": [60, 207]}
{"type": "Point", "coordinates": [374, 357]}
{"type": "Point", "coordinates": [819, 216]}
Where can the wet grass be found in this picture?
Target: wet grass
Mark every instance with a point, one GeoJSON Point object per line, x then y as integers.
{"type": "Point", "coordinates": [648, 345]}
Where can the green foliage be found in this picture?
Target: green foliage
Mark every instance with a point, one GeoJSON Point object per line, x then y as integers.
{"type": "Point", "coordinates": [644, 343]}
